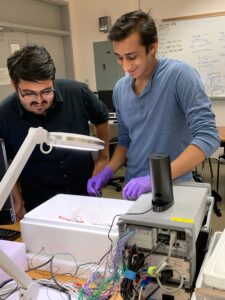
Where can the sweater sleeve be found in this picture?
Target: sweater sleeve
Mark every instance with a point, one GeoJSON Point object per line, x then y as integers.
{"type": "Point", "coordinates": [196, 106]}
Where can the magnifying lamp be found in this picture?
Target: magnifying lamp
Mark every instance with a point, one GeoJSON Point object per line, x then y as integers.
{"type": "Point", "coordinates": [40, 136]}
{"type": "Point", "coordinates": [34, 137]}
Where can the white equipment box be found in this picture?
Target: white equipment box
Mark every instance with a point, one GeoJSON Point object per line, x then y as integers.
{"type": "Point", "coordinates": [74, 225]}
{"type": "Point", "coordinates": [192, 203]}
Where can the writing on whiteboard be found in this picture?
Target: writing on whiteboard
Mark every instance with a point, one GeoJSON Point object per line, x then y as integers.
{"type": "Point", "coordinates": [201, 43]}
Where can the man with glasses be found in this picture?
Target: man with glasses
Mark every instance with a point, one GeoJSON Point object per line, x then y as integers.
{"type": "Point", "coordinates": [56, 105]}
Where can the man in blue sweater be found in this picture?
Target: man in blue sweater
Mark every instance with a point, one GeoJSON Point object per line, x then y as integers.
{"type": "Point", "coordinates": [161, 106]}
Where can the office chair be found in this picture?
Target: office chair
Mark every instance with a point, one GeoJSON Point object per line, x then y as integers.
{"type": "Point", "coordinates": [199, 177]}
{"type": "Point", "coordinates": [217, 198]}
{"type": "Point", "coordinates": [221, 161]}
{"type": "Point", "coordinates": [115, 180]}
{"type": "Point", "coordinates": [7, 213]}
{"type": "Point", "coordinates": [210, 167]}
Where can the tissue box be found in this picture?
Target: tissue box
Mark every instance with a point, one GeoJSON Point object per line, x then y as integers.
{"type": "Point", "coordinates": [75, 226]}
{"type": "Point", "coordinates": [17, 252]}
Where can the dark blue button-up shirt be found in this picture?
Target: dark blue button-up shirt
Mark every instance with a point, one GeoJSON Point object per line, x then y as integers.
{"type": "Point", "coordinates": [60, 171]}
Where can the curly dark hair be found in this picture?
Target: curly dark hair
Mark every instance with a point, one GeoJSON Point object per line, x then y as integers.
{"type": "Point", "coordinates": [31, 63]}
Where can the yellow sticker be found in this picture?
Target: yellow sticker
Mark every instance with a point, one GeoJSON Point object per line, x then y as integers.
{"type": "Point", "coordinates": [182, 220]}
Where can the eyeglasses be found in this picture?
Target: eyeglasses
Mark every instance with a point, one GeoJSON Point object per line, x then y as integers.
{"type": "Point", "coordinates": [32, 96]}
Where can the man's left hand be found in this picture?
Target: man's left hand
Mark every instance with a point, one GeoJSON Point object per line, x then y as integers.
{"type": "Point", "coordinates": [136, 187]}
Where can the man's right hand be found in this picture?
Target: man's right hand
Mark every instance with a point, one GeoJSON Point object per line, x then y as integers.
{"type": "Point", "coordinates": [18, 202]}
{"type": "Point", "coordinates": [136, 187]}
{"type": "Point", "coordinates": [19, 210]}
{"type": "Point", "coordinates": [96, 182]}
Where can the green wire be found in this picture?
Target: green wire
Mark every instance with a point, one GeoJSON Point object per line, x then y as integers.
{"type": "Point", "coordinates": [110, 281]}
{"type": "Point", "coordinates": [81, 294]}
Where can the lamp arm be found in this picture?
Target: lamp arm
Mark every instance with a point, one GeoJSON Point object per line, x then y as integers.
{"type": "Point", "coordinates": [35, 136]}
{"type": "Point", "coordinates": [29, 288]}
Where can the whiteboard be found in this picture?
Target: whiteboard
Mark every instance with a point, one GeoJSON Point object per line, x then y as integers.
{"type": "Point", "coordinates": [201, 43]}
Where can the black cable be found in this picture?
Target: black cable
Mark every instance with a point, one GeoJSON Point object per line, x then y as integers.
{"type": "Point", "coordinates": [60, 287]}
{"type": "Point", "coordinates": [110, 228]}
{"type": "Point", "coordinates": [153, 292]}
{"type": "Point", "coordinates": [42, 265]}
{"type": "Point", "coordinates": [111, 241]}
{"type": "Point", "coordinates": [102, 258]}
{"type": "Point", "coordinates": [135, 261]}
{"type": "Point", "coordinates": [128, 214]}
{"type": "Point", "coordinates": [127, 287]}
{"type": "Point", "coordinates": [10, 293]}
{"type": "Point", "coordinates": [84, 264]}
{"type": "Point", "coordinates": [2, 284]}
{"type": "Point", "coordinates": [153, 249]}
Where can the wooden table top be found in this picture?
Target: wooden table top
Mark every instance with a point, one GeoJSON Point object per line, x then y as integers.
{"type": "Point", "coordinates": [38, 274]}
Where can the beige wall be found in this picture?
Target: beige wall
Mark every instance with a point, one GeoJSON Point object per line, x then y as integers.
{"type": "Point", "coordinates": [84, 22]}
{"type": "Point", "coordinates": [84, 16]}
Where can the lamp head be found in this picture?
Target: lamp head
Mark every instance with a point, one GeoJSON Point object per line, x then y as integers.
{"type": "Point", "coordinates": [72, 141]}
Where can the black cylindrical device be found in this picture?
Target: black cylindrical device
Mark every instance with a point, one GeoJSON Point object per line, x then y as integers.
{"type": "Point", "coordinates": [162, 189]}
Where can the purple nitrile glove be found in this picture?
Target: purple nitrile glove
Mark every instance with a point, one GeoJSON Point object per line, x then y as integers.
{"type": "Point", "coordinates": [136, 187]}
{"type": "Point", "coordinates": [96, 182]}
